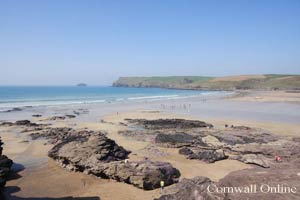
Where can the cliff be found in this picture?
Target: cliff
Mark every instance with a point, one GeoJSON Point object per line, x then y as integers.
{"type": "Point", "coordinates": [263, 82]}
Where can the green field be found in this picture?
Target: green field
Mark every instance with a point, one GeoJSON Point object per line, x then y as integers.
{"type": "Point", "coordinates": [260, 82]}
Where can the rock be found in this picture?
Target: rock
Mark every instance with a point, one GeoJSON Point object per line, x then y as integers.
{"type": "Point", "coordinates": [253, 159]}
{"type": "Point", "coordinates": [191, 189]}
{"type": "Point", "coordinates": [170, 123]}
{"type": "Point", "coordinates": [279, 176]}
{"type": "Point", "coordinates": [174, 140]}
{"type": "Point", "coordinates": [70, 116]}
{"type": "Point", "coordinates": [142, 174]}
{"type": "Point", "coordinates": [102, 157]}
{"type": "Point", "coordinates": [23, 123]}
{"type": "Point", "coordinates": [5, 166]}
{"type": "Point", "coordinates": [244, 135]}
{"type": "Point", "coordinates": [212, 141]}
{"type": "Point", "coordinates": [14, 109]}
{"type": "Point", "coordinates": [36, 115]}
{"type": "Point", "coordinates": [209, 156]}
{"type": "Point", "coordinates": [285, 148]}
{"type": "Point", "coordinates": [185, 151]}
{"type": "Point", "coordinates": [79, 151]}
{"type": "Point", "coordinates": [7, 124]}
{"type": "Point", "coordinates": [57, 118]}
{"type": "Point", "coordinates": [56, 135]}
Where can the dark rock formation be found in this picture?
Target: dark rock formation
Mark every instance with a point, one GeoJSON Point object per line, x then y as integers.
{"type": "Point", "coordinates": [279, 176]}
{"type": "Point", "coordinates": [25, 123]}
{"type": "Point", "coordinates": [57, 135]}
{"type": "Point", "coordinates": [170, 123]}
{"type": "Point", "coordinates": [206, 155]}
{"type": "Point", "coordinates": [185, 151]}
{"type": "Point", "coordinates": [13, 109]}
{"type": "Point", "coordinates": [5, 166]}
{"type": "Point", "coordinates": [174, 140]}
{"type": "Point", "coordinates": [246, 144]}
{"type": "Point", "coordinates": [191, 189]}
{"type": "Point", "coordinates": [142, 174]}
{"type": "Point", "coordinates": [102, 157]}
{"type": "Point", "coordinates": [36, 115]}
{"type": "Point", "coordinates": [244, 135]}
{"type": "Point", "coordinates": [255, 159]}
{"type": "Point", "coordinates": [70, 116]}
{"type": "Point", "coordinates": [57, 118]}
{"type": "Point", "coordinates": [78, 152]}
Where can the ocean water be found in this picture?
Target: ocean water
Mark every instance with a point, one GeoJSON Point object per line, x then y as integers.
{"type": "Point", "coordinates": [17, 96]}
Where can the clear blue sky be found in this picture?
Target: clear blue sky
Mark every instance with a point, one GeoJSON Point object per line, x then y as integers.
{"type": "Point", "coordinates": [63, 42]}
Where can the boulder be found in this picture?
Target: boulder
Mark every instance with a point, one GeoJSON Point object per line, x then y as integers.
{"type": "Point", "coordinates": [209, 156]}
{"type": "Point", "coordinates": [212, 141]}
{"type": "Point", "coordinates": [79, 152]}
{"type": "Point", "coordinates": [185, 151]}
{"type": "Point", "coordinates": [255, 159]}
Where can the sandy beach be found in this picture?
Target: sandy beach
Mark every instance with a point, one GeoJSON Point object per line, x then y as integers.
{"type": "Point", "coordinates": [39, 176]}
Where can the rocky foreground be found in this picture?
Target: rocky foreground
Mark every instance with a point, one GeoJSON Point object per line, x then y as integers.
{"type": "Point", "coordinates": [5, 167]}
{"type": "Point", "coordinates": [94, 153]}
{"type": "Point", "coordinates": [245, 144]}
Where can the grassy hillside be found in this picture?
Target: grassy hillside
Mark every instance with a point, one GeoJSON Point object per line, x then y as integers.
{"type": "Point", "coordinates": [267, 82]}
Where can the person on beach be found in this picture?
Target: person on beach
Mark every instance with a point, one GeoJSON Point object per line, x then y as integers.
{"type": "Point", "coordinates": [162, 185]}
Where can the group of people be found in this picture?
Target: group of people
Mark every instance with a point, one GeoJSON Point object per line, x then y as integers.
{"type": "Point", "coordinates": [174, 107]}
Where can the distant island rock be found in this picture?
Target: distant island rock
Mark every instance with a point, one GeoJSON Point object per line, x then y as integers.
{"type": "Point", "coordinates": [81, 85]}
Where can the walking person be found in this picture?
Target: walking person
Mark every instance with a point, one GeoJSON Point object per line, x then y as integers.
{"type": "Point", "coordinates": [162, 185]}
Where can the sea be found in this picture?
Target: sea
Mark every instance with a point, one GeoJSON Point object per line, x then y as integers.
{"type": "Point", "coordinates": [13, 97]}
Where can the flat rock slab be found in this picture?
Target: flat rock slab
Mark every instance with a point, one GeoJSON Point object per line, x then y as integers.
{"type": "Point", "coordinates": [170, 123]}
{"type": "Point", "coordinates": [102, 157]}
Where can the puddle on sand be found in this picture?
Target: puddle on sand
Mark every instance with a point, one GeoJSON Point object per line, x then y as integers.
{"type": "Point", "coordinates": [28, 162]}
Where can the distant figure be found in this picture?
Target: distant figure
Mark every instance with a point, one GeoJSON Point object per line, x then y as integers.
{"type": "Point", "coordinates": [278, 159]}
{"type": "Point", "coordinates": [226, 125]}
{"type": "Point", "coordinates": [162, 185]}
{"type": "Point", "coordinates": [117, 113]}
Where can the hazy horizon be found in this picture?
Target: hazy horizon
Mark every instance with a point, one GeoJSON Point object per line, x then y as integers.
{"type": "Point", "coordinates": [68, 42]}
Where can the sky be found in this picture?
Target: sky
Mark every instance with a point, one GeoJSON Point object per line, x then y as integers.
{"type": "Point", "coordinates": [64, 42]}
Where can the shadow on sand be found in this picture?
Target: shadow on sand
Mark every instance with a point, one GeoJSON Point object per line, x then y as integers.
{"type": "Point", "coordinates": [12, 189]}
